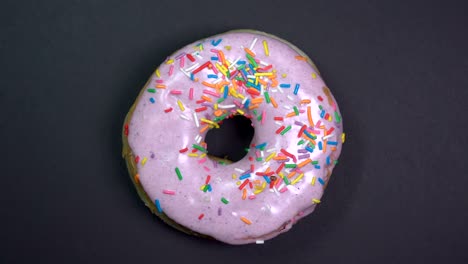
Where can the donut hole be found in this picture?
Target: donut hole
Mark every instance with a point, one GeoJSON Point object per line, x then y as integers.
{"type": "Point", "coordinates": [231, 140]}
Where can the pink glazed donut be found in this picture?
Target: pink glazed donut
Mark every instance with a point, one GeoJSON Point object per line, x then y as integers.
{"type": "Point", "coordinates": [297, 140]}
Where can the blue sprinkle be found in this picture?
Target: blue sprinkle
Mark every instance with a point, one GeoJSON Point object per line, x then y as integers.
{"type": "Point", "coordinates": [214, 58]}
{"type": "Point", "coordinates": [226, 90]}
{"type": "Point", "coordinates": [212, 76]}
{"type": "Point", "coordinates": [152, 100]}
{"type": "Point", "coordinates": [328, 160]}
{"type": "Point", "coordinates": [334, 143]}
{"type": "Point", "coordinates": [247, 102]}
{"type": "Point", "coordinates": [267, 179]}
{"type": "Point", "coordinates": [317, 167]}
{"type": "Point", "coordinates": [158, 206]}
{"type": "Point", "coordinates": [244, 72]}
{"type": "Point", "coordinates": [192, 77]}
{"type": "Point", "coordinates": [309, 149]}
{"type": "Point", "coordinates": [240, 62]}
{"type": "Point", "coordinates": [209, 188]}
{"type": "Point", "coordinates": [260, 146]}
{"type": "Point", "coordinates": [285, 85]}
{"type": "Point", "coordinates": [322, 113]}
{"type": "Point", "coordinates": [252, 68]}
{"type": "Point", "coordinates": [216, 42]}
{"type": "Point", "coordinates": [245, 176]}
{"type": "Point", "coordinates": [309, 135]}
{"type": "Point", "coordinates": [321, 181]}
{"type": "Point", "coordinates": [320, 145]}
{"type": "Point", "coordinates": [296, 89]}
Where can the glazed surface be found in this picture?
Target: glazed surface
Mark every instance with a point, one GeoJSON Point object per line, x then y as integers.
{"type": "Point", "coordinates": [230, 202]}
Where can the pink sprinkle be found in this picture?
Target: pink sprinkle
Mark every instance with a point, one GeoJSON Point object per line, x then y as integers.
{"type": "Point", "coordinates": [176, 92]}
{"type": "Point", "coordinates": [202, 161]}
{"type": "Point", "coordinates": [213, 68]}
{"type": "Point", "coordinates": [191, 94]}
{"type": "Point", "coordinates": [214, 51]}
{"type": "Point", "coordinates": [206, 91]}
{"type": "Point", "coordinates": [318, 123]}
{"type": "Point", "coordinates": [206, 168]}
{"type": "Point", "coordinates": [263, 117]}
{"type": "Point", "coordinates": [251, 197]}
{"type": "Point", "coordinates": [171, 70]}
{"type": "Point", "coordinates": [302, 111]}
{"type": "Point", "coordinates": [159, 81]}
{"type": "Point", "coordinates": [238, 104]}
{"type": "Point", "coordinates": [170, 192]}
{"type": "Point", "coordinates": [182, 62]}
{"type": "Point", "coordinates": [283, 189]}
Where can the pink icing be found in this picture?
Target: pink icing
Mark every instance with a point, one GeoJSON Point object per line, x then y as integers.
{"type": "Point", "coordinates": [156, 138]}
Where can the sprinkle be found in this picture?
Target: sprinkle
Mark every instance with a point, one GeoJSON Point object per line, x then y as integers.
{"type": "Point", "coordinates": [216, 42]}
{"type": "Point", "coordinates": [273, 102]}
{"type": "Point", "coordinates": [158, 206]}
{"type": "Point", "coordinates": [170, 192]}
{"type": "Point", "coordinates": [158, 73]}
{"type": "Point", "coordinates": [285, 85]}
{"type": "Point", "coordinates": [200, 217]}
{"type": "Point", "coordinates": [151, 90]}
{"type": "Point", "coordinates": [143, 161]}
{"type": "Point", "coordinates": [314, 75]}
{"type": "Point", "coordinates": [303, 163]}
{"type": "Point", "coordinates": [296, 88]}
{"type": "Point", "coordinates": [224, 200]}
{"type": "Point", "coordinates": [265, 48]}
{"type": "Point", "coordinates": [179, 175]}
{"type": "Point", "coordinates": [190, 57]}
{"type": "Point", "coordinates": [244, 184]}
{"type": "Point", "coordinates": [176, 92]}
{"type": "Point", "coordinates": [289, 154]}
{"type": "Point", "coordinates": [260, 242]}
{"type": "Point", "coordinates": [285, 130]}
{"type": "Point", "coordinates": [152, 100]}
{"type": "Point", "coordinates": [302, 58]}
{"type": "Point", "coordinates": [279, 129]}
{"type": "Point", "coordinates": [245, 220]}
{"type": "Point", "coordinates": [297, 179]}
{"type": "Point", "coordinates": [321, 181]}
{"type": "Point", "coordinates": [200, 148]}
{"type": "Point", "coordinates": [316, 201]}
{"type": "Point", "coordinates": [184, 117]}
{"type": "Point", "coordinates": [168, 110]}
{"type": "Point", "coordinates": [296, 111]}
{"type": "Point", "coordinates": [312, 182]}
{"type": "Point", "coordinates": [343, 137]}
{"type": "Point", "coordinates": [309, 116]}
{"type": "Point", "coordinates": [181, 106]}
{"type": "Point", "coordinates": [270, 156]}
{"type": "Point", "coordinates": [183, 150]}
{"type": "Point", "coordinates": [252, 45]}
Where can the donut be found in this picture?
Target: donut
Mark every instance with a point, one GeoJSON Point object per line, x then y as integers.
{"type": "Point", "coordinates": [284, 169]}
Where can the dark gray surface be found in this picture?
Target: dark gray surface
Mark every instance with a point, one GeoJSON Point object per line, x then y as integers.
{"type": "Point", "coordinates": [71, 69]}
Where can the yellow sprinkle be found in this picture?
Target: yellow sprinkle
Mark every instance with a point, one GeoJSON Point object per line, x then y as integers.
{"type": "Point", "coordinates": [158, 73]}
{"type": "Point", "coordinates": [221, 68]}
{"type": "Point", "coordinates": [234, 176]}
{"type": "Point", "coordinates": [240, 111]}
{"type": "Point", "coordinates": [265, 47]}
{"type": "Point", "coordinates": [245, 220]}
{"type": "Point", "coordinates": [193, 155]}
{"type": "Point", "coordinates": [209, 122]}
{"type": "Point", "coordinates": [143, 161]}
{"type": "Point", "coordinates": [314, 75]}
{"type": "Point", "coordinates": [215, 106]}
{"type": "Point", "coordinates": [263, 74]}
{"type": "Point", "coordinates": [343, 137]}
{"type": "Point", "coordinates": [297, 179]}
{"type": "Point", "coordinates": [170, 61]}
{"type": "Point", "coordinates": [227, 47]}
{"type": "Point", "coordinates": [312, 182]}
{"type": "Point", "coordinates": [241, 96]}
{"type": "Point", "coordinates": [238, 183]}
{"type": "Point", "coordinates": [202, 155]}
{"type": "Point", "coordinates": [270, 156]}
{"type": "Point", "coordinates": [316, 201]}
{"type": "Point", "coordinates": [258, 191]}
{"type": "Point", "coordinates": [281, 174]}
{"type": "Point", "coordinates": [284, 75]}
{"type": "Point", "coordinates": [202, 187]}
{"type": "Point", "coordinates": [256, 80]}
{"type": "Point", "coordinates": [181, 106]}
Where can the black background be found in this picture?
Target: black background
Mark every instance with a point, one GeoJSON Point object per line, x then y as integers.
{"type": "Point", "coordinates": [70, 70]}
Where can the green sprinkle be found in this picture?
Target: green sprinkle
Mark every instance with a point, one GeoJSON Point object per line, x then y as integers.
{"type": "Point", "coordinates": [335, 162]}
{"type": "Point", "coordinates": [320, 107]}
{"type": "Point", "coordinates": [314, 162]}
{"type": "Point", "coordinates": [255, 112]}
{"type": "Point", "coordinates": [251, 60]}
{"type": "Point", "coordinates": [205, 188]}
{"type": "Point", "coordinates": [219, 118]}
{"type": "Point", "coordinates": [259, 117]}
{"type": "Point", "coordinates": [267, 97]}
{"type": "Point", "coordinates": [286, 180]}
{"type": "Point", "coordinates": [300, 142]}
{"type": "Point", "coordinates": [259, 159]}
{"type": "Point", "coordinates": [224, 200]}
{"type": "Point", "coordinates": [241, 67]}
{"type": "Point", "coordinates": [296, 111]}
{"type": "Point", "coordinates": [220, 100]}
{"type": "Point", "coordinates": [290, 166]}
{"type": "Point", "coordinates": [337, 117]}
{"type": "Point", "coordinates": [200, 148]}
{"type": "Point", "coordinates": [179, 175]}
{"type": "Point", "coordinates": [285, 130]}
{"type": "Point", "coordinates": [247, 149]}
{"type": "Point", "coordinates": [151, 90]}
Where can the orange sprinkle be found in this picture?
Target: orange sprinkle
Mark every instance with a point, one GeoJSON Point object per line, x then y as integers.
{"type": "Point", "coordinates": [251, 107]}
{"type": "Point", "coordinates": [324, 147]}
{"type": "Point", "coordinates": [209, 84]}
{"type": "Point", "coordinates": [273, 102]}
{"type": "Point", "coordinates": [206, 98]}
{"type": "Point", "coordinates": [244, 194]}
{"type": "Point", "coordinates": [234, 85]}
{"type": "Point", "coordinates": [203, 129]}
{"type": "Point", "coordinates": [280, 158]}
{"type": "Point", "coordinates": [291, 174]}
{"type": "Point", "coordinates": [274, 83]}
{"type": "Point", "coordinates": [218, 113]}
{"type": "Point", "coordinates": [291, 114]}
{"type": "Point", "coordinates": [137, 178]}
{"type": "Point", "coordinates": [309, 116]}
{"type": "Point", "coordinates": [249, 52]}
{"type": "Point", "coordinates": [305, 101]}
{"type": "Point", "coordinates": [262, 82]}
{"type": "Point", "coordinates": [305, 162]}
{"type": "Point", "coordinates": [302, 58]}
{"type": "Point", "coordinates": [257, 100]}
{"type": "Point", "coordinates": [245, 220]}
{"type": "Point", "coordinates": [161, 86]}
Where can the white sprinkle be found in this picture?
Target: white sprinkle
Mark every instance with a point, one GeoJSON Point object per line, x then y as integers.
{"type": "Point", "coordinates": [278, 123]}
{"type": "Point", "coordinates": [233, 64]}
{"type": "Point", "coordinates": [234, 214]}
{"type": "Point", "coordinates": [198, 140]}
{"type": "Point", "coordinates": [264, 63]}
{"type": "Point", "coordinates": [239, 170]}
{"type": "Point", "coordinates": [287, 107]}
{"type": "Point", "coordinates": [184, 117]}
{"type": "Point", "coordinates": [244, 100]}
{"type": "Point", "coordinates": [252, 45]}
{"type": "Point", "coordinates": [261, 153]}
{"type": "Point", "coordinates": [226, 106]}
{"type": "Point", "coordinates": [276, 191]}
{"type": "Point", "coordinates": [198, 55]}
{"type": "Point", "coordinates": [327, 137]}
{"type": "Point", "coordinates": [280, 90]}
{"type": "Point", "coordinates": [260, 242]}
{"type": "Point", "coordinates": [184, 72]}
{"type": "Point", "coordinates": [271, 150]}
{"type": "Point", "coordinates": [251, 76]}
{"type": "Point", "coordinates": [217, 81]}
{"type": "Point", "coordinates": [189, 69]}
{"type": "Point", "coordinates": [273, 90]}
{"type": "Point", "coordinates": [195, 118]}
{"type": "Point", "coordinates": [290, 97]}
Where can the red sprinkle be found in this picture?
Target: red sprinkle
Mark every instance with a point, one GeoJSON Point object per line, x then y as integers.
{"type": "Point", "coordinates": [201, 109]}
{"type": "Point", "coordinates": [289, 155]}
{"type": "Point", "coordinates": [301, 131]}
{"type": "Point", "coordinates": [204, 65]}
{"type": "Point", "coordinates": [326, 116]}
{"type": "Point", "coordinates": [330, 131]}
{"type": "Point", "coordinates": [252, 168]}
{"type": "Point", "coordinates": [320, 98]}
{"type": "Point", "coordinates": [190, 57]}
{"type": "Point", "coordinates": [279, 129]}
{"type": "Point", "coordinates": [280, 168]}
{"type": "Point", "coordinates": [201, 216]}
{"type": "Point", "coordinates": [183, 150]}
{"type": "Point", "coordinates": [208, 178]}
{"type": "Point", "coordinates": [278, 118]}
{"type": "Point", "coordinates": [168, 110]}
{"type": "Point", "coordinates": [243, 184]}
{"type": "Point", "coordinates": [137, 159]}
{"type": "Point", "coordinates": [126, 130]}
{"type": "Point", "coordinates": [253, 91]}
